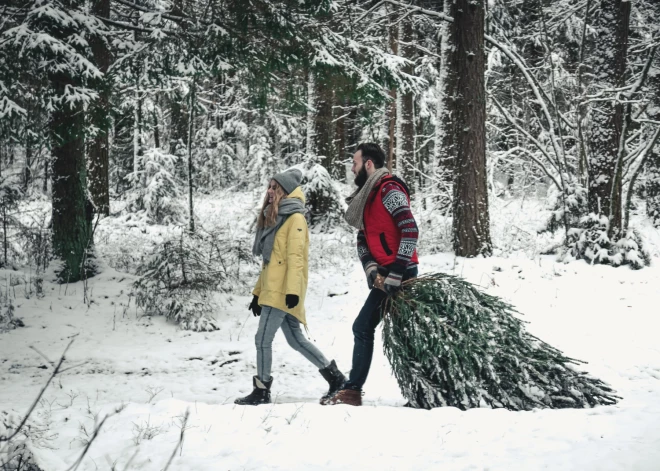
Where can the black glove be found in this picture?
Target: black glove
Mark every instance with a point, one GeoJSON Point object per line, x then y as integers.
{"type": "Point", "coordinates": [291, 300]}
{"type": "Point", "coordinates": [392, 283]}
{"type": "Point", "coordinates": [371, 270]}
{"type": "Point", "coordinates": [254, 306]}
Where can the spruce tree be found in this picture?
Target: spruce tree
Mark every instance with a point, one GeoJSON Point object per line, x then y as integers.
{"type": "Point", "coordinates": [450, 344]}
{"type": "Point", "coordinates": [56, 34]}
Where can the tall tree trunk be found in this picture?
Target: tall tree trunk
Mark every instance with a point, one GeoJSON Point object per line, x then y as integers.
{"type": "Point", "coordinates": [406, 124]}
{"type": "Point", "coordinates": [28, 151]}
{"type": "Point", "coordinates": [310, 148]}
{"type": "Point", "coordinates": [154, 116]}
{"type": "Point", "coordinates": [391, 119]}
{"type": "Point", "coordinates": [178, 123]}
{"type": "Point", "coordinates": [137, 135]}
{"type": "Point", "coordinates": [445, 130]}
{"type": "Point", "coordinates": [99, 185]}
{"type": "Point", "coordinates": [608, 61]}
{"type": "Point", "coordinates": [323, 132]}
{"type": "Point", "coordinates": [339, 170]}
{"type": "Point", "coordinates": [71, 221]}
{"type": "Point", "coordinates": [191, 106]}
{"type": "Point", "coordinates": [471, 224]}
{"type": "Point", "coordinates": [71, 227]}
{"type": "Point", "coordinates": [46, 174]}
{"type": "Point", "coordinates": [653, 162]}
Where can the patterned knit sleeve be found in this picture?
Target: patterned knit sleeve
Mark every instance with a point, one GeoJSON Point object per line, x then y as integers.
{"type": "Point", "coordinates": [396, 203]}
{"type": "Point", "coordinates": [363, 249]}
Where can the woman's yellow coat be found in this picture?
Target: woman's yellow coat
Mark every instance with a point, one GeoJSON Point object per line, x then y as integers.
{"type": "Point", "coordinates": [287, 271]}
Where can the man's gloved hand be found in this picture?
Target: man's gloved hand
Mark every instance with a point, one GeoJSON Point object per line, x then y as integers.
{"type": "Point", "coordinates": [392, 283]}
{"type": "Point", "coordinates": [254, 306]}
{"type": "Point", "coordinates": [371, 270]}
{"type": "Point", "coordinates": [291, 300]}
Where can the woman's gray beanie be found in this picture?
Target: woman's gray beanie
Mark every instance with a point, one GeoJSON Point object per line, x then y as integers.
{"type": "Point", "coordinates": [289, 180]}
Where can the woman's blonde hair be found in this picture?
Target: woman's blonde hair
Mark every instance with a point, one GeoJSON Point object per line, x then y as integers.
{"type": "Point", "coordinates": [268, 219]}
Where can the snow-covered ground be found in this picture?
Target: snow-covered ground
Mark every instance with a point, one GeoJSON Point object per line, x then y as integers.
{"type": "Point", "coordinates": [144, 375]}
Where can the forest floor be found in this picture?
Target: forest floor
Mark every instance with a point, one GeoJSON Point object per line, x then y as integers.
{"type": "Point", "coordinates": [143, 374]}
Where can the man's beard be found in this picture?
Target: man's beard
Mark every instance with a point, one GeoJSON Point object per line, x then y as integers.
{"type": "Point", "coordinates": [361, 177]}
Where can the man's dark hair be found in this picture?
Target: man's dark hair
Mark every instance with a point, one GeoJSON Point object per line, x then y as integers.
{"type": "Point", "coordinates": [372, 151]}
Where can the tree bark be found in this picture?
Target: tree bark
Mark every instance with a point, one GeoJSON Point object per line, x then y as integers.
{"type": "Point", "coordinates": [99, 185]}
{"type": "Point", "coordinates": [178, 123]}
{"type": "Point", "coordinates": [471, 224]}
{"type": "Point", "coordinates": [392, 145]}
{"type": "Point", "coordinates": [653, 162]}
{"type": "Point", "coordinates": [323, 126]}
{"type": "Point", "coordinates": [608, 61]}
{"type": "Point", "coordinates": [71, 221]}
{"type": "Point", "coordinates": [71, 227]}
{"type": "Point", "coordinates": [310, 147]}
{"type": "Point", "coordinates": [406, 157]}
{"type": "Point", "coordinates": [445, 131]}
{"type": "Point", "coordinates": [191, 222]}
{"type": "Point", "coordinates": [339, 170]}
{"type": "Point", "coordinates": [28, 152]}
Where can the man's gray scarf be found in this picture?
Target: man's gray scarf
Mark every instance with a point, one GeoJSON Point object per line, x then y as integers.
{"type": "Point", "coordinates": [265, 238]}
{"type": "Point", "coordinates": [358, 200]}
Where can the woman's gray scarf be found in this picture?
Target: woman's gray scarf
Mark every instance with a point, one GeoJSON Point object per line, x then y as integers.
{"type": "Point", "coordinates": [265, 238]}
{"type": "Point", "coordinates": [358, 200]}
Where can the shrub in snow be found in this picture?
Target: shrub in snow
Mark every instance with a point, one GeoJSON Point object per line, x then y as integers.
{"type": "Point", "coordinates": [181, 277]}
{"type": "Point", "coordinates": [7, 319]}
{"type": "Point", "coordinates": [261, 164]}
{"type": "Point", "coordinates": [324, 201]}
{"type": "Point", "coordinates": [592, 243]}
{"type": "Point", "coordinates": [450, 344]}
{"type": "Point", "coordinates": [156, 193]}
{"type": "Point", "coordinates": [217, 165]}
{"type": "Point", "coordinates": [10, 195]}
{"type": "Point", "coordinates": [567, 207]}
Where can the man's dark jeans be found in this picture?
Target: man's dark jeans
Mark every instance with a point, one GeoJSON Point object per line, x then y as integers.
{"type": "Point", "coordinates": [364, 329]}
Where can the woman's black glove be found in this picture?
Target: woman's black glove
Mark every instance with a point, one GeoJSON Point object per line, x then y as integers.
{"type": "Point", "coordinates": [254, 306]}
{"type": "Point", "coordinates": [291, 300]}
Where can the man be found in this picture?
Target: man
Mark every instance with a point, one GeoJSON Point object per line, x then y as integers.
{"type": "Point", "coordinates": [386, 243]}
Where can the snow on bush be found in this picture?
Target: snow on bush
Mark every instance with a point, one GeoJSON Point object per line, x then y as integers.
{"type": "Point", "coordinates": [592, 243]}
{"type": "Point", "coordinates": [156, 195]}
{"type": "Point", "coordinates": [324, 200]}
{"type": "Point", "coordinates": [181, 277]}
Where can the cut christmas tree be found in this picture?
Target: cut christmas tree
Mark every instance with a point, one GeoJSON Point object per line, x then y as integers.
{"type": "Point", "coordinates": [451, 344]}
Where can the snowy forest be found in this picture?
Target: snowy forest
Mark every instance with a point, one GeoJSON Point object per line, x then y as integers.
{"type": "Point", "coordinates": [137, 141]}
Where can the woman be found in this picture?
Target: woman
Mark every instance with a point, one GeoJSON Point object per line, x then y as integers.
{"type": "Point", "coordinates": [282, 241]}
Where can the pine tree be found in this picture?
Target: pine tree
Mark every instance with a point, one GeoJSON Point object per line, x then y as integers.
{"type": "Point", "coordinates": [450, 344]}
{"type": "Point", "coordinates": [72, 214]}
{"type": "Point", "coordinates": [55, 33]}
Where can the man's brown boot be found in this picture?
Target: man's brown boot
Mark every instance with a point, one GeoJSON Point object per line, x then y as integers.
{"type": "Point", "coordinates": [350, 397]}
